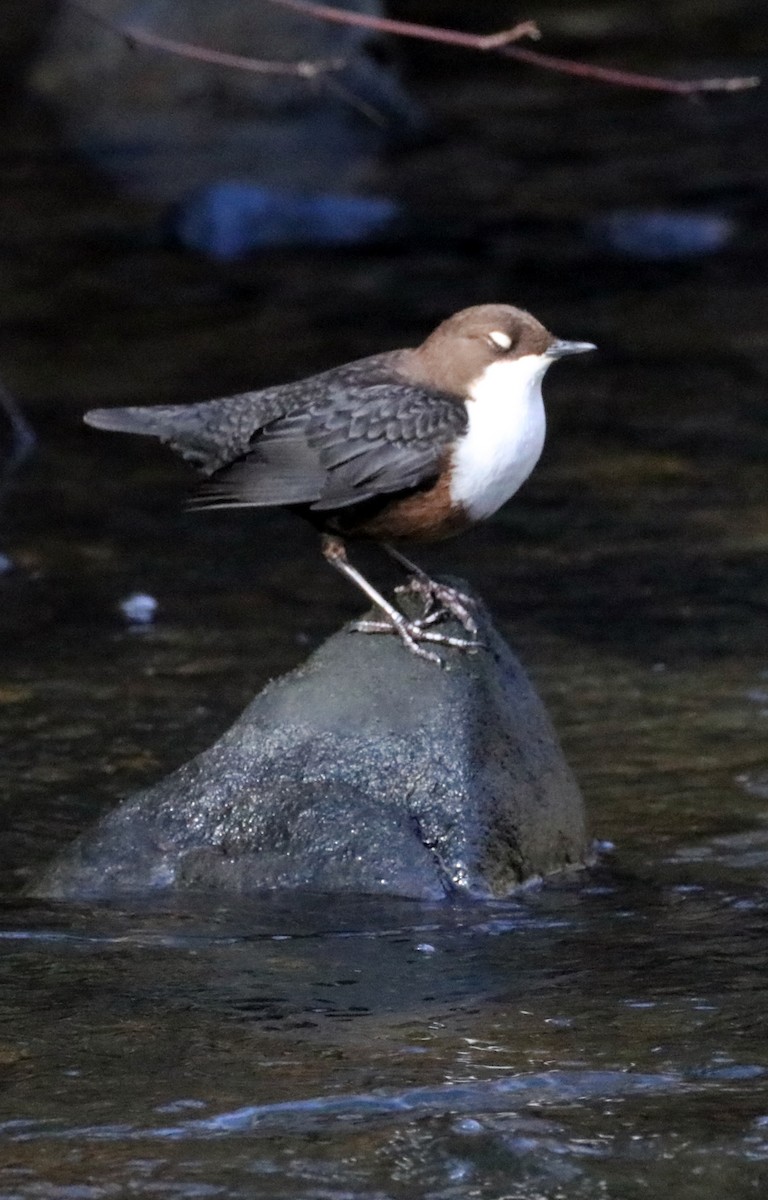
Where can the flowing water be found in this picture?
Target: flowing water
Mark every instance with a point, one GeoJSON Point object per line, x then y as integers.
{"type": "Point", "coordinates": [604, 1037]}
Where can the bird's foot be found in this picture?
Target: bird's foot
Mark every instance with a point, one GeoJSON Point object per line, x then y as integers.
{"type": "Point", "coordinates": [413, 633]}
{"type": "Point", "coordinates": [441, 602]}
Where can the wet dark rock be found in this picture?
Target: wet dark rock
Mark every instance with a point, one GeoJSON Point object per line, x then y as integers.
{"type": "Point", "coordinates": [364, 770]}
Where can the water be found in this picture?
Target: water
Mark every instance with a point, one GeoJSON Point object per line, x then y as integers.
{"type": "Point", "coordinates": [604, 1037]}
{"type": "Point", "coordinates": [584, 1039]}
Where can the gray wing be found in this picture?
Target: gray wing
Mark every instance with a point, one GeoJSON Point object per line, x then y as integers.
{"type": "Point", "coordinates": [388, 439]}
{"type": "Point", "coordinates": [353, 443]}
{"type": "Point", "coordinates": [215, 433]}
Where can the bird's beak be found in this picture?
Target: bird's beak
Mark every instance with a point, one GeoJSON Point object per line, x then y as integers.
{"type": "Point", "coordinates": [561, 348]}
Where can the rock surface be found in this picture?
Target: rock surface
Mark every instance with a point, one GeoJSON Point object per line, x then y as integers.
{"type": "Point", "coordinates": [364, 770]}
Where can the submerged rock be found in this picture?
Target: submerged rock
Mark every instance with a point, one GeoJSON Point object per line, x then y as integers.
{"type": "Point", "coordinates": [365, 770]}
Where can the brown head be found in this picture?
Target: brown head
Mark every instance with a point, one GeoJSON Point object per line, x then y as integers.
{"type": "Point", "coordinates": [460, 350]}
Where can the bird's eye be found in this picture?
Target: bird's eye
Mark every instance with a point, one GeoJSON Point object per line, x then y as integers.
{"type": "Point", "coordinates": [500, 340]}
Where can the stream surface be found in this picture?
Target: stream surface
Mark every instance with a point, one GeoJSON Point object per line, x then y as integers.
{"type": "Point", "coordinates": [601, 1037]}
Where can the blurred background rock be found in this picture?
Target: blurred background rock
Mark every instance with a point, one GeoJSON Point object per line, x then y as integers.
{"type": "Point", "coordinates": [162, 125]}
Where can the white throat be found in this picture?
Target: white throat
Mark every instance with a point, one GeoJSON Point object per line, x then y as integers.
{"type": "Point", "coordinates": [505, 435]}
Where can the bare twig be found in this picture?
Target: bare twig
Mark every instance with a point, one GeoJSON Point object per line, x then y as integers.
{"type": "Point", "coordinates": [333, 84]}
{"type": "Point", "coordinates": [241, 62]}
{"type": "Point", "coordinates": [500, 43]}
{"type": "Point", "coordinates": [630, 79]}
{"type": "Point", "coordinates": [431, 33]}
{"type": "Point", "coordinates": [219, 58]}
{"type": "Point", "coordinates": [22, 438]}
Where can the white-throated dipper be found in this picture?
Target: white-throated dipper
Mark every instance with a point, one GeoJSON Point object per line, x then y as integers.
{"type": "Point", "coordinates": [408, 445]}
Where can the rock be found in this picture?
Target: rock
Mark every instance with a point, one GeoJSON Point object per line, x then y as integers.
{"type": "Point", "coordinates": [162, 125]}
{"type": "Point", "coordinates": [228, 220]}
{"type": "Point", "coordinates": [364, 770]}
{"type": "Point", "coordinates": [138, 609]}
{"type": "Point", "coordinates": [662, 235]}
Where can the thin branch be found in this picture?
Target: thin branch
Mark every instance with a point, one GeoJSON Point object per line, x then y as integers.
{"type": "Point", "coordinates": [500, 42]}
{"type": "Point", "coordinates": [22, 439]}
{"type": "Point", "coordinates": [218, 58]}
{"type": "Point", "coordinates": [612, 75]}
{"type": "Point", "coordinates": [333, 84]}
{"type": "Point", "coordinates": [136, 36]}
{"type": "Point", "coordinates": [21, 431]}
{"type": "Point", "coordinates": [431, 33]}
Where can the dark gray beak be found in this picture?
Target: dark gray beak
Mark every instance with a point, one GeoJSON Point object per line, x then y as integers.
{"type": "Point", "coordinates": [561, 348]}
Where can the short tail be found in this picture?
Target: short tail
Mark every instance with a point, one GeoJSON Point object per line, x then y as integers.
{"type": "Point", "coordinates": [126, 420]}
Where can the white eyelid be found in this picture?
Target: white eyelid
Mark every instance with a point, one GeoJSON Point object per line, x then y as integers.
{"type": "Point", "coordinates": [502, 340]}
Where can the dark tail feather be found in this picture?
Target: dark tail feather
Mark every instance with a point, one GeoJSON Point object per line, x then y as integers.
{"type": "Point", "coordinates": [200, 433]}
{"type": "Point", "coordinates": [126, 420]}
{"type": "Point", "coordinates": [206, 503]}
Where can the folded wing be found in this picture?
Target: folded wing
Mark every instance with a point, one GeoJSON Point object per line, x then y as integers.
{"type": "Point", "coordinates": [351, 444]}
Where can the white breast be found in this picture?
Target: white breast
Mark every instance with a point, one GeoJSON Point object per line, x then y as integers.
{"type": "Point", "coordinates": [505, 435]}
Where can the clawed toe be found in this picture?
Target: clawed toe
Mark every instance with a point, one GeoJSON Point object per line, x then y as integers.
{"type": "Point", "coordinates": [441, 602]}
{"type": "Point", "coordinates": [414, 633]}
{"type": "Point", "coordinates": [408, 633]}
{"type": "Point", "coordinates": [429, 617]}
{"type": "Point", "coordinates": [365, 626]}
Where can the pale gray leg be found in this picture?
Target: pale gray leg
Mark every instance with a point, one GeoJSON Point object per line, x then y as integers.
{"type": "Point", "coordinates": [410, 632]}
{"type": "Point", "coordinates": [439, 598]}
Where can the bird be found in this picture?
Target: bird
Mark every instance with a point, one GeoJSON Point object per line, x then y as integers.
{"type": "Point", "coordinates": [410, 445]}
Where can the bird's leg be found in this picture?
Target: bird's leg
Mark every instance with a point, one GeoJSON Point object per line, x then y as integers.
{"type": "Point", "coordinates": [439, 598]}
{"type": "Point", "coordinates": [409, 632]}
